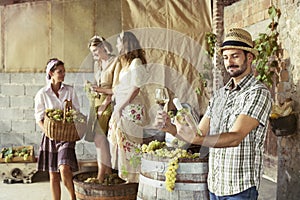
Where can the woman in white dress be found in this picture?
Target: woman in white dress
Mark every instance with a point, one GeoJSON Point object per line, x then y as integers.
{"type": "Point", "coordinates": [130, 115]}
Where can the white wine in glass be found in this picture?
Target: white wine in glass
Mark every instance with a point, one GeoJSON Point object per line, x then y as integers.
{"type": "Point", "coordinates": [161, 97]}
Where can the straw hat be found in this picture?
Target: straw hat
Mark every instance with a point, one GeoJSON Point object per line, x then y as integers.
{"type": "Point", "coordinates": [238, 38]}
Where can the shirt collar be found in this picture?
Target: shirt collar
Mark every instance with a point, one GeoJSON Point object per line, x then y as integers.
{"type": "Point", "coordinates": [243, 83]}
{"type": "Point", "coordinates": [48, 86]}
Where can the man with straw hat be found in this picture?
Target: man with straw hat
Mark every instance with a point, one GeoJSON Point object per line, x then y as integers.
{"type": "Point", "coordinates": [234, 125]}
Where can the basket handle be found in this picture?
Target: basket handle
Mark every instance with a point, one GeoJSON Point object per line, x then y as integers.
{"type": "Point", "coordinates": [67, 107]}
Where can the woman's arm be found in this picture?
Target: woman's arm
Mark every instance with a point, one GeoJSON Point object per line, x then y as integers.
{"type": "Point", "coordinates": [41, 125]}
{"type": "Point", "coordinates": [131, 95]}
{"type": "Point", "coordinates": [104, 105]}
{"type": "Point", "coordinates": [107, 91]}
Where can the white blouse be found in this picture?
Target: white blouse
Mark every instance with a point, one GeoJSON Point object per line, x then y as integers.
{"type": "Point", "coordinates": [46, 98]}
{"type": "Point", "coordinates": [135, 75]}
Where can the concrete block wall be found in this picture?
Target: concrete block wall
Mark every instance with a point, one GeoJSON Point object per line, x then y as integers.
{"type": "Point", "coordinates": [17, 123]}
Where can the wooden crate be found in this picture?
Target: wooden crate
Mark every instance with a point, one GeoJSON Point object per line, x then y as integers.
{"type": "Point", "coordinates": [17, 158]}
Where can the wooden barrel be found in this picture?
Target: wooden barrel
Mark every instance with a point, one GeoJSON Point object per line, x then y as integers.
{"type": "Point", "coordinates": [191, 180]}
{"type": "Point", "coordinates": [95, 191]}
{"type": "Point", "coordinates": [87, 165]}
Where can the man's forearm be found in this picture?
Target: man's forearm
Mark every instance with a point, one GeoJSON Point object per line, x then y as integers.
{"type": "Point", "coordinates": [218, 141]}
{"type": "Point", "coordinates": [171, 128]}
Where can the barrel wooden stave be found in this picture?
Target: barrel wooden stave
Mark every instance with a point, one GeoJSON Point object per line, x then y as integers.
{"type": "Point", "coordinates": [191, 180]}
{"type": "Point", "coordinates": [93, 191]}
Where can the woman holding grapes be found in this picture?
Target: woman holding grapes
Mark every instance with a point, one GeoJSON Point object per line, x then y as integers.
{"type": "Point", "coordinates": [56, 157]}
{"type": "Point", "coordinates": [129, 116]}
{"type": "Point", "coordinates": [106, 68]}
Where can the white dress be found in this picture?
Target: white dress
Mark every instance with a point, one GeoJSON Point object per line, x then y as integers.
{"type": "Point", "coordinates": [127, 134]}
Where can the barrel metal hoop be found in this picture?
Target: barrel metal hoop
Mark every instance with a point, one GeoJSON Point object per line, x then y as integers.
{"type": "Point", "coordinates": [151, 166]}
{"type": "Point", "coordinates": [193, 168]}
{"type": "Point", "coordinates": [187, 168]}
{"type": "Point", "coordinates": [178, 186]}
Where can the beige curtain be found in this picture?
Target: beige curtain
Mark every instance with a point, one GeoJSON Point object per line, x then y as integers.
{"type": "Point", "coordinates": [31, 33]}
{"type": "Point", "coordinates": [173, 34]}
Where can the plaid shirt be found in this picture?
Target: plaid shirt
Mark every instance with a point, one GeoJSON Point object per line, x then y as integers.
{"type": "Point", "coordinates": [235, 169]}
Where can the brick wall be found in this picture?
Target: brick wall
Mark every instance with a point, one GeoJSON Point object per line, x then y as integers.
{"type": "Point", "coordinates": [246, 13]}
{"type": "Point", "coordinates": [17, 123]}
{"type": "Point", "coordinates": [253, 16]}
{"type": "Point", "coordinates": [289, 147]}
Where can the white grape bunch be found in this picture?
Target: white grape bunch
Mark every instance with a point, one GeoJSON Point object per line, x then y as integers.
{"type": "Point", "coordinates": [159, 149]}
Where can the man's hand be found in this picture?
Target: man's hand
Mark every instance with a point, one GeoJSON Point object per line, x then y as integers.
{"type": "Point", "coordinates": [160, 119]}
{"type": "Point", "coordinates": [163, 122]}
{"type": "Point", "coordinates": [186, 132]}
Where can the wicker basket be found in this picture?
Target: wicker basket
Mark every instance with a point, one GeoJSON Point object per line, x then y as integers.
{"type": "Point", "coordinates": [63, 130]}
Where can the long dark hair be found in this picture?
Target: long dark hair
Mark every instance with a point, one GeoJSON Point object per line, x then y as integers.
{"type": "Point", "coordinates": [131, 48]}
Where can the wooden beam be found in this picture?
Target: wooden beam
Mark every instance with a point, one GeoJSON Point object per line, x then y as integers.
{"type": "Point", "coordinates": [9, 2]}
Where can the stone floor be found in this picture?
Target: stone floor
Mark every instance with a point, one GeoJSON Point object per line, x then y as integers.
{"type": "Point", "coordinates": [39, 190]}
{"type": "Point", "coordinates": [267, 190]}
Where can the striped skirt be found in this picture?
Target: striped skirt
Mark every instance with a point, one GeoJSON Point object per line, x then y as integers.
{"type": "Point", "coordinates": [53, 153]}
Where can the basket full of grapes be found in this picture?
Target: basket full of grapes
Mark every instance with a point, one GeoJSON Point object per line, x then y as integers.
{"type": "Point", "coordinates": [64, 125]}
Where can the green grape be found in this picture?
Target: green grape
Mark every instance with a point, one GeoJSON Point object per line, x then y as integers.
{"type": "Point", "coordinates": [57, 117]}
{"type": "Point", "coordinates": [152, 146]}
{"type": "Point", "coordinates": [48, 110]}
{"type": "Point", "coordinates": [71, 115]}
{"type": "Point", "coordinates": [159, 149]}
{"type": "Point", "coordinates": [171, 174]}
{"type": "Point", "coordinates": [144, 148]}
{"type": "Point", "coordinates": [25, 157]}
{"type": "Point", "coordinates": [69, 119]}
{"type": "Point", "coordinates": [180, 116]}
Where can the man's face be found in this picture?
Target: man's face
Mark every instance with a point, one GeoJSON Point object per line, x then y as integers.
{"type": "Point", "coordinates": [235, 62]}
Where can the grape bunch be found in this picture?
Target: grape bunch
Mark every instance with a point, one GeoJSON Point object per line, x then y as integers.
{"type": "Point", "coordinates": [159, 149]}
{"type": "Point", "coordinates": [71, 115]}
{"type": "Point", "coordinates": [152, 146]}
{"type": "Point", "coordinates": [180, 116]}
{"type": "Point", "coordinates": [109, 179]}
{"type": "Point", "coordinates": [89, 91]}
{"type": "Point", "coordinates": [171, 174]}
{"type": "Point", "coordinates": [176, 143]}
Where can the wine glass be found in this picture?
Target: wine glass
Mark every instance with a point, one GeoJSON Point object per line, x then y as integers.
{"type": "Point", "coordinates": [161, 97]}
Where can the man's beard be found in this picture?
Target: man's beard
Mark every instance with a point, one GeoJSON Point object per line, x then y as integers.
{"type": "Point", "coordinates": [239, 72]}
